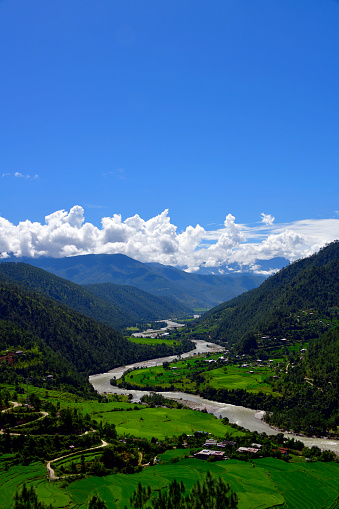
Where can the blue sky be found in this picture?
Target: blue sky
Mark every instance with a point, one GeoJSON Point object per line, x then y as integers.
{"type": "Point", "coordinates": [207, 109]}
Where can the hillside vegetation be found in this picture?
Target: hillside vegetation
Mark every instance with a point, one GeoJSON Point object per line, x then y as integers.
{"type": "Point", "coordinates": [140, 305]}
{"type": "Point", "coordinates": [298, 304]}
{"type": "Point", "coordinates": [309, 284]}
{"type": "Point", "coordinates": [56, 339]}
{"type": "Point", "coordinates": [115, 306]}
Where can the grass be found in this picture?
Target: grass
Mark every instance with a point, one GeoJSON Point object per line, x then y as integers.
{"type": "Point", "coordinates": [76, 459]}
{"type": "Point", "coordinates": [240, 378]}
{"type": "Point", "coordinates": [305, 486]}
{"type": "Point", "coordinates": [153, 341]}
{"type": "Point", "coordinates": [67, 399]}
{"type": "Point", "coordinates": [166, 422]}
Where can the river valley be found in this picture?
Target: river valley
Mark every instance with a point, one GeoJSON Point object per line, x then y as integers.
{"type": "Point", "coordinates": [245, 417]}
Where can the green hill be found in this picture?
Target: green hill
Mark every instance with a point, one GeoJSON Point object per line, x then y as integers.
{"type": "Point", "coordinates": [115, 306]}
{"type": "Point", "coordinates": [59, 341]}
{"type": "Point", "coordinates": [140, 305]}
{"type": "Point", "coordinates": [273, 309]}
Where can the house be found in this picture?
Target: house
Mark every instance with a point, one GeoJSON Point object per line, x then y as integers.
{"type": "Point", "coordinates": [252, 450]}
{"type": "Point", "coordinates": [206, 453]}
{"type": "Point", "coordinates": [210, 441]}
{"type": "Point", "coordinates": [225, 443]}
{"type": "Point", "coordinates": [283, 450]}
{"type": "Point", "coordinates": [257, 446]}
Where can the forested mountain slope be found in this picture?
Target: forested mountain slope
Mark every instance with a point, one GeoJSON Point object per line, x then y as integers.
{"type": "Point", "coordinates": [192, 290]}
{"type": "Point", "coordinates": [310, 388]}
{"type": "Point", "coordinates": [308, 284]}
{"type": "Point", "coordinates": [140, 305]}
{"type": "Point", "coordinates": [79, 344]}
{"type": "Point", "coordinates": [112, 309]}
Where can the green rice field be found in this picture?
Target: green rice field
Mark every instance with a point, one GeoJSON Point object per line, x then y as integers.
{"type": "Point", "coordinates": [260, 484]}
{"type": "Point", "coordinates": [166, 422]}
{"type": "Point", "coordinates": [153, 341]}
{"type": "Point", "coordinates": [180, 378]}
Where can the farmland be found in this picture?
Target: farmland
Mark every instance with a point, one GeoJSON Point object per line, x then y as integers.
{"type": "Point", "coordinates": [190, 374]}
{"type": "Point", "coordinates": [165, 422]}
{"type": "Point", "coordinates": [152, 341]}
{"type": "Point", "coordinates": [261, 483]}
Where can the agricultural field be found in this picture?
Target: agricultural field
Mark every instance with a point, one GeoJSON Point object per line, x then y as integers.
{"type": "Point", "coordinates": [262, 483]}
{"type": "Point", "coordinates": [166, 422]}
{"type": "Point", "coordinates": [181, 376]}
{"type": "Point", "coordinates": [34, 474]}
{"type": "Point", "coordinates": [152, 341]}
{"type": "Point", "coordinates": [240, 378]}
{"type": "Point", "coordinates": [66, 399]}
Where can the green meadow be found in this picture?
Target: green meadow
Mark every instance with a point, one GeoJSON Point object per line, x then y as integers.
{"type": "Point", "coordinates": [260, 484]}
{"type": "Point", "coordinates": [166, 422]}
{"type": "Point", "coordinates": [152, 341]}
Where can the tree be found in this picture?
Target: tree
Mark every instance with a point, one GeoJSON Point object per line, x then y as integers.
{"type": "Point", "coordinates": [27, 498]}
{"type": "Point", "coordinates": [248, 343]}
{"type": "Point", "coordinates": [140, 496]}
{"type": "Point", "coordinates": [96, 503]}
{"type": "Point", "coordinates": [211, 493]}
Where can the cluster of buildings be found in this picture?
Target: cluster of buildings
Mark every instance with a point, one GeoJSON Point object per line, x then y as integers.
{"type": "Point", "coordinates": [204, 454]}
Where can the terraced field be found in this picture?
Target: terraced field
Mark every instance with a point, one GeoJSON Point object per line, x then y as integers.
{"type": "Point", "coordinates": [262, 484]}
{"type": "Point", "coordinates": [34, 474]}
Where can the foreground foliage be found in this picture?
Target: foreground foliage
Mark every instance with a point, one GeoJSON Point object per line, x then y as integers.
{"type": "Point", "coordinates": [212, 492]}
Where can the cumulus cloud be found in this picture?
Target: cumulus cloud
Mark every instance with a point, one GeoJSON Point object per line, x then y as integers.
{"type": "Point", "coordinates": [157, 240]}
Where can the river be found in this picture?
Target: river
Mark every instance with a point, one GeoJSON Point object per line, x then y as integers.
{"type": "Point", "coordinates": [245, 417]}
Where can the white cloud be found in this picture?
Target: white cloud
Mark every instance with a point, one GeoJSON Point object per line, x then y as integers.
{"type": "Point", "coordinates": [18, 174]}
{"type": "Point", "coordinates": [267, 219]}
{"type": "Point", "coordinates": [156, 240]}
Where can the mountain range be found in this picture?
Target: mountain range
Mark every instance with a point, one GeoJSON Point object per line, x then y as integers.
{"type": "Point", "coordinates": [191, 290]}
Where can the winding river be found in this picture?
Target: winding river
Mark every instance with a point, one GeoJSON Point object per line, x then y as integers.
{"type": "Point", "coordinates": [245, 417]}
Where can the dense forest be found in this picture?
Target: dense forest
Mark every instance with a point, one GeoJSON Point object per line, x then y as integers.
{"type": "Point", "coordinates": [57, 340]}
{"type": "Point", "coordinates": [308, 284]}
{"type": "Point", "coordinates": [140, 305]}
{"type": "Point", "coordinates": [115, 305]}
{"type": "Point", "coordinates": [310, 388]}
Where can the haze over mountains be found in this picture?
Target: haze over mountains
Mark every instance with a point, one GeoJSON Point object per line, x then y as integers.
{"type": "Point", "coordinates": [191, 290]}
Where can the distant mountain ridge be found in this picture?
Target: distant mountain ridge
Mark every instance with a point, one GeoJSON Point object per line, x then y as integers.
{"type": "Point", "coordinates": [192, 290]}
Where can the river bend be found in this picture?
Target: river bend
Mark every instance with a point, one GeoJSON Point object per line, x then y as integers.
{"type": "Point", "coordinates": [245, 417]}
